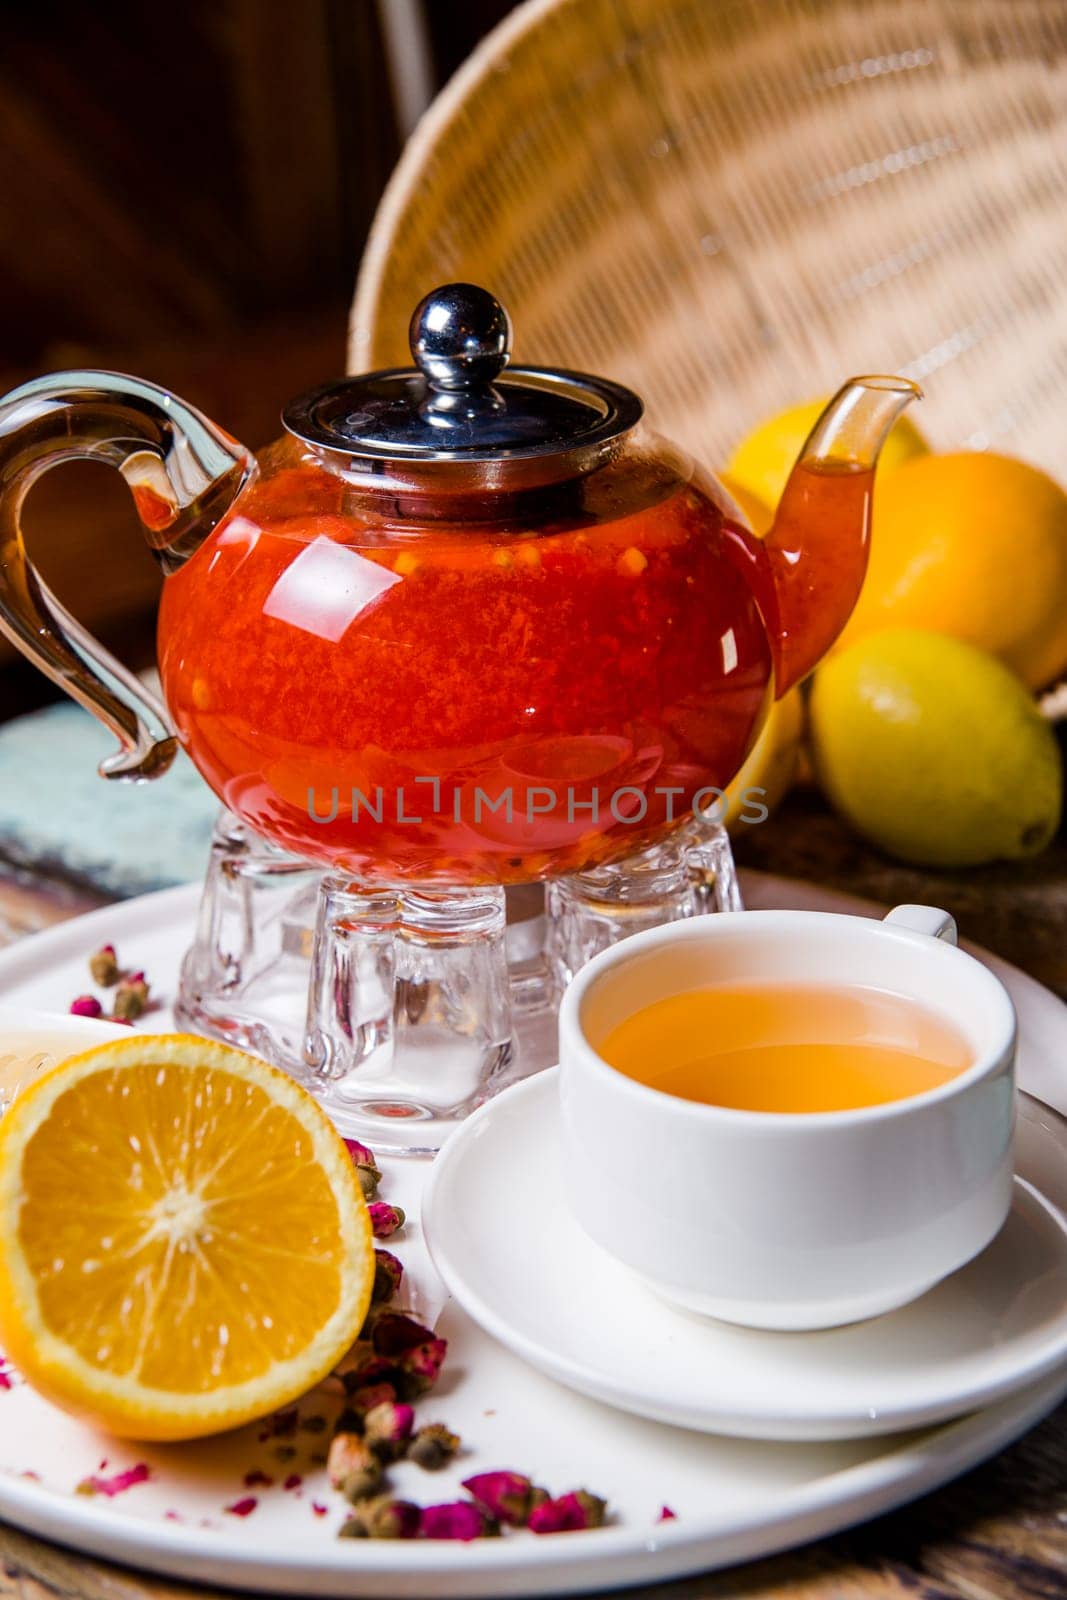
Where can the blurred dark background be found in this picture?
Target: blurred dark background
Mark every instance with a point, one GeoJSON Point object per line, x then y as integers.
{"type": "Point", "coordinates": [185, 194]}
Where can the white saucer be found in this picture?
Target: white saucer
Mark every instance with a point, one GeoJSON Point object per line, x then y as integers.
{"type": "Point", "coordinates": [501, 1236]}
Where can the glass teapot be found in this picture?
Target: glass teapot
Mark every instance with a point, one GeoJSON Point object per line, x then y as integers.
{"type": "Point", "coordinates": [463, 623]}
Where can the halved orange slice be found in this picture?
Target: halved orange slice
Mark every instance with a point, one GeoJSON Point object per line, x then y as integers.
{"type": "Point", "coordinates": [183, 1240]}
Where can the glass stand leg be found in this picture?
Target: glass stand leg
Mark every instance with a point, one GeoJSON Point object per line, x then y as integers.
{"type": "Point", "coordinates": [689, 874]}
{"type": "Point", "coordinates": [409, 1015]}
{"type": "Point", "coordinates": [244, 978]}
{"type": "Point", "coordinates": [710, 863]}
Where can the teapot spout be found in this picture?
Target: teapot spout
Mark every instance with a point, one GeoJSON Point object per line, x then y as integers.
{"type": "Point", "coordinates": [817, 548]}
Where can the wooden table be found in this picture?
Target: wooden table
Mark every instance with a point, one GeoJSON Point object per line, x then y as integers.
{"type": "Point", "coordinates": [1000, 1533]}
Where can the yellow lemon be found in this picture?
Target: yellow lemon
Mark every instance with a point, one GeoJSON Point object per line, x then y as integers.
{"type": "Point", "coordinates": [976, 546]}
{"type": "Point", "coordinates": [763, 461]}
{"type": "Point", "coordinates": [757, 511]}
{"type": "Point", "coordinates": [184, 1244]}
{"type": "Point", "coordinates": [770, 767]}
{"type": "Point", "coordinates": [934, 750]}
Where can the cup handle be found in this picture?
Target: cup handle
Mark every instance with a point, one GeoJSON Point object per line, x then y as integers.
{"type": "Point", "coordinates": [929, 920]}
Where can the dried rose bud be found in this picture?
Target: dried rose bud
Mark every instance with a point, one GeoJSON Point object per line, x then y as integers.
{"type": "Point", "coordinates": [348, 1454]}
{"type": "Point", "coordinates": [361, 1156]}
{"type": "Point", "coordinates": [369, 1179]}
{"type": "Point", "coordinates": [354, 1359]}
{"type": "Point", "coordinates": [385, 1219]}
{"type": "Point", "coordinates": [376, 1370]}
{"type": "Point", "coordinates": [388, 1276]}
{"type": "Point", "coordinates": [361, 1367]}
{"type": "Point", "coordinates": [348, 1421]}
{"type": "Point", "coordinates": [352, 1528]}
{"type": "Point", "coordinates": [131, 998]}
{"type": "Point", "coordinates": [568, 1513]}
{"type": "Point", "coordinates": [433, 1446]}
{"type": "Point", "coordinates": [384, 1518]}
{"type": "Point", "coordinates": [396, 1519]}
{"type": "Point", "coordinates": [506, 1496]}
{"type": "Point", "coordinates": [86, 1005]}
{"type": "Point", "coordinates": [416, 1352]}
{"type": "Point", "coordinates": [104, 966]}
{"type": "Point", "coordinates": [363, 1399]}
{"type": "Point", "coordinates": [363, 1484]}
{"type": "Point", "coordinates": [393, 1333]}
{"type": "Point", "coordinates": [387, 1428]}
{"type": "Point", "coordinates": [461, 1519]}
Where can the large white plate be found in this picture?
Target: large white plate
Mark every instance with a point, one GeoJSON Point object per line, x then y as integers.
{"type": "Point", "coordinates": [734, 1499]}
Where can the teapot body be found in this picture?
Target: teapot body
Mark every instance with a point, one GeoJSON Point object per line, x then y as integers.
{"type": "Point", "coordinates": [467, 623]}
{"type": "Point", "coordinates": [478, 688]}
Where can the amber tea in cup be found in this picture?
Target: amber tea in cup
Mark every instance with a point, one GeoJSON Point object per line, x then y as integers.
{"type": "Point", "coordinates": [787, 1048]}
{"type": "Point", "coordinates": [836, 1135]}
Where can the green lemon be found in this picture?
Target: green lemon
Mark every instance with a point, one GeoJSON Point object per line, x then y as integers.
{"type": "Point", "coordinates": [934, 751]}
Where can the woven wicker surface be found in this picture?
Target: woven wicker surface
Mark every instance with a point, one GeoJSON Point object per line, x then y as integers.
{"type": "Point", "coordinates": [732, 204]}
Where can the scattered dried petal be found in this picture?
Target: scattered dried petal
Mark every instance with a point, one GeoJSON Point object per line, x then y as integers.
{"type": "Point", "coordinates": [460, 1519]}
{"type": "Point", "coordinates": [117, 1484]}
{"type": "Point", "coordinates": [242, 1508]}
{"type": "Point", "coordinates": [293, 1481]}
{"type": "Point", "coordinates": [667, 1515]}
{"type": "Point", "coordinates": [86, 1005]}
{"type": "Point", "coordinates": [433, 1446]}
{"type": "Point", "coordinates": [385, 1219]}
{"type": "Point", "coordinates": [257, 1480]}
{"type": "Point", "coordinates": [507, 1497]}
{"type": "Point", "coordinates": [568, 1513]}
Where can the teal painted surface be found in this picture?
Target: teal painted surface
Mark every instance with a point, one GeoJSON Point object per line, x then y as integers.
{"type": "Point", "coordinates": [125, 839]}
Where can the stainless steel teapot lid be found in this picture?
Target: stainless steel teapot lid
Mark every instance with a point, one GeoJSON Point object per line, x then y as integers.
{"type": "Point", "coordinates": [462, 402]}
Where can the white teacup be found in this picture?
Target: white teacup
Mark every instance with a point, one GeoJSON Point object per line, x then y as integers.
{"type": "Point", "coordinates": [779, 1219]}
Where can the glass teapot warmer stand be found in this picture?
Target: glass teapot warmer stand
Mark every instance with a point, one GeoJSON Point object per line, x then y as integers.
{"type": "Point", "coordinates": [403, 1009]}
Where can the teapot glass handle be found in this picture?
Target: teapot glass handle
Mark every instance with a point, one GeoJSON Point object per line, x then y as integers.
{"type": "Point", "coordinates": [183, 473]}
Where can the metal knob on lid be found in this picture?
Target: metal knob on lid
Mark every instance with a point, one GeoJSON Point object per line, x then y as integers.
{"type": "Point", "coordinates": [460, 337]}
{"type": "Point", "coordinates": [462, 402]}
